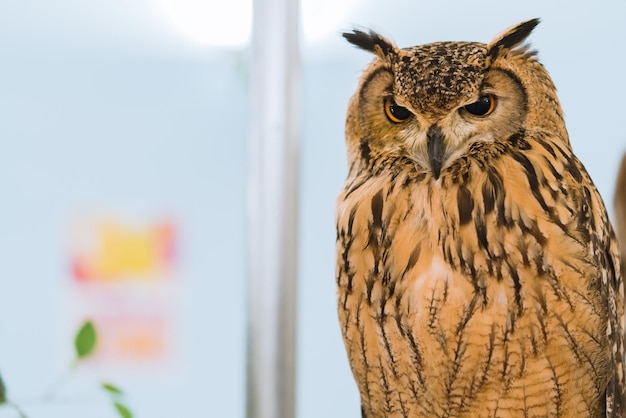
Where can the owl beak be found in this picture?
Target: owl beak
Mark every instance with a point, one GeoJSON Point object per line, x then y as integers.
{"type": "Point", "coordinates": [436, 149]}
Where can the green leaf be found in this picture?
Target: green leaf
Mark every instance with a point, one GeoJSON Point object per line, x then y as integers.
{"type": "Point", "coordinates": [85, 341]}
{"type": "Point", "coordinates": [3, 391]}
{"type": "Point", "coordinates": [122, 410]}
{"type": "Point", "coordinates": [112, 389]}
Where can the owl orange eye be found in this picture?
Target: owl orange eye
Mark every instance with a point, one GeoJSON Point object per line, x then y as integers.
{"type": "Point", "coordinates": [483, 106]}
{"type": "Point", "coordinates": [395, 113]}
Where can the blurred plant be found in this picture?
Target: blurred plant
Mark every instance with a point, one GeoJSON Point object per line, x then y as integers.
{"type": "Point", "coordinates": [85, 343]}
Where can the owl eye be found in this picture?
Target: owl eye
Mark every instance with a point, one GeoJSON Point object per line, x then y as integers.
{"type": "Point", "coordinates": [395, 113]}
{"type": "Point", "coordinates": [483, 106]}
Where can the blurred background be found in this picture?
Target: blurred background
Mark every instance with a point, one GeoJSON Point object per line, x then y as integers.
{"type": "Point", "coordinates": [123, 150]}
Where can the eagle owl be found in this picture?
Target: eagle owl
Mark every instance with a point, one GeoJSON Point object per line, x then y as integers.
{"type": "Point", "coordinates": [477, 272]}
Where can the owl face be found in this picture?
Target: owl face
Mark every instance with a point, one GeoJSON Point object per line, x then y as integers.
{"type": "Point", "coordinates": [431, 103]}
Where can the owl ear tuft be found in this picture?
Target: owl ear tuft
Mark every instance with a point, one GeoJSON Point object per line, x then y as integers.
{"type": "Point", "coordinates": [373, 42]}
{"type": "Point", "coordinates": [510, 38]}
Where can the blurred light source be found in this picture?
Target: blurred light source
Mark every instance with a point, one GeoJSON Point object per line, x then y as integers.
{"type": "Point", "coordinates": [227, 23]}
{"type": "Point", "coordinates": [324, 18]}
{"type": "Point", "coordinates": [210, 22]}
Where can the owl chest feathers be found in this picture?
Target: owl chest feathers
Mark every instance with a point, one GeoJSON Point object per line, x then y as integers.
{"type": "Point", "coordinates": [459, 296]}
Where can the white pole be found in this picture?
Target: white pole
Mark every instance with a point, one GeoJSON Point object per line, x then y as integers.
{"type": "Point", "coordinates": [272, 209]}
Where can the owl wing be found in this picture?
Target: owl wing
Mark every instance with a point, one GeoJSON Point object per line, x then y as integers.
{"type": "Point", "coordinates": [617, 385]}
{"type": "Point", "coordinates": [606, 255]}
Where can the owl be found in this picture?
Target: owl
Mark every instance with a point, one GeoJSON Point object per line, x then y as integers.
{"type": "Point", "coordinates": [477, 272]}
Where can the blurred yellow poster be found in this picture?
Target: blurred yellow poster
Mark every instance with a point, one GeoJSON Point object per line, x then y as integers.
{"type": "Point", "coordinates": [123, 275]}
{"type": "Point", "coordinates": [110, 250]}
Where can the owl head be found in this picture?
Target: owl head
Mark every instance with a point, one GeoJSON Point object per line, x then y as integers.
{"type": "Point", "coordinates": [431, 103]}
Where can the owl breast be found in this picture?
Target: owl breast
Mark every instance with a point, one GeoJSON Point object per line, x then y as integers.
{"type": "Point", "coordinates": [455, 302]}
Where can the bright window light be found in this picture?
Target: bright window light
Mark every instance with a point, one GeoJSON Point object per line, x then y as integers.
{"type": "Point", "coordinates": [224, 23]}
{"type": "Point", "coordinates": [228, 23]}
{"type": "Point", "coordinates": [324, 18]}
